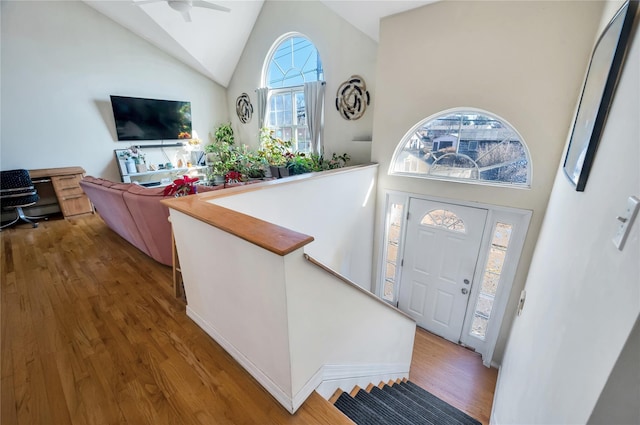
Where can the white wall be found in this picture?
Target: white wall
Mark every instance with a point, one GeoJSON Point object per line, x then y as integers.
{"type": "Point", "coordinates": [60, 62]}
{"type": "Point", "coordinates": [335, 208]}
{"type": "Point", "coordinates": [523, 61]}
{"type": "Point", "coordinates": [291, 324]}
{"type": "Point", "coordinates": [344, 51]}
{"type": "Point", "coordinates": [243, 308]}
{"type": "Point", "coordinates": [583, 294]}
{"type": "Point", "coordinates": [334, 324]}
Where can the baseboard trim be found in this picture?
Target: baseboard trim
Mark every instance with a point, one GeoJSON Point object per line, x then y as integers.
{"type": "Point", "coordinates": [281, 396]}
{"type": "Point", "coordinates": [347, 376]}
{"type": "Point", "coordinates": [325, 381]}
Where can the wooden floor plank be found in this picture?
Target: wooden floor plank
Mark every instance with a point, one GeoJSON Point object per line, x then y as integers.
{"type": "Point", "coordinates": [454, 374]}
{"type": "Point", "coordinates": [91, 334]}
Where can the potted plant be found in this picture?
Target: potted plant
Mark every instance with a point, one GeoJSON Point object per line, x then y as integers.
{"type": "Point", "coordinates": [221, 155]}
{"type": "Point", "coordinates": [274, 150]}
{"type": "Point", "coordinates": [224, 134]}
{"type": "Point", "coordinates": [250, 164]}
{"type": "Point", "coordinates": [181, 187]}
{"type": "Point", "coordinates": [299, 163]}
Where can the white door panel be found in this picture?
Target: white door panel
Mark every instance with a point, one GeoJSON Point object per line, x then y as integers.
{"type": "Point", "coordinates": [441, 252]}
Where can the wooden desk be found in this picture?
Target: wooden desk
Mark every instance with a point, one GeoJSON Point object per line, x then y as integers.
{"type": "Point", "coordinates": [59, 191]}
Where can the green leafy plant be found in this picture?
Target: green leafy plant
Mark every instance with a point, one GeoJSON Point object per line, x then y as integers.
{"type": "Point", "coordinates": [336, 161]}
{"type": "Point", "coordinates": [299, 163]}
{"type": "Point", "coordinates": [222, 155]}
{"type": "Point", "coordinates": [251, 164]}
{"type": "Point", "coordinates": [273, 149]}
{"type": "Point", "coordinates": [224, 134]}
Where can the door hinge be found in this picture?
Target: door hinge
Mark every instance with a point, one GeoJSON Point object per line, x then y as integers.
{"type": "Point", "coordinates": [402, 262]}
{"type": "Point", "coordinates": [407, 215]}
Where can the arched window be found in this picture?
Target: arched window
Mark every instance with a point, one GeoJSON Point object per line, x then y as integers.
{"type": "Point", "coordinates": [444, 219]}
{"type": "Point", "coordinates": [466, 145]}
{"type": "Point", "coordinates": [292, 61]}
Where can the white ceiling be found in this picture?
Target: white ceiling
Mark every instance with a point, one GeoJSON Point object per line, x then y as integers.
{"type": "Point", "coordinates": [213, 42]}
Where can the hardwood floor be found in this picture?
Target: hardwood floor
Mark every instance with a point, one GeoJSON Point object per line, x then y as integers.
{"type": "Point", "coordinates": [91, 334]}
{"type": "Point", "coordinates": [454, 374]}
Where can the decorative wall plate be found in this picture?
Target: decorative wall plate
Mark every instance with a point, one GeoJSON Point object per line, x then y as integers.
{"type": "Point", "coordinates": [352, 98]}
{"type": "Point", "coordinates": [244, 108]}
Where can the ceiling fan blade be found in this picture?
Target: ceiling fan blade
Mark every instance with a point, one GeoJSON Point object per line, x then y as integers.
{"type": "Point", "coordinates": [207, 5]}
{"type": "Point", "coordinates": [146, 1]}
{"type": "Point", "coordinates": [187, 16]}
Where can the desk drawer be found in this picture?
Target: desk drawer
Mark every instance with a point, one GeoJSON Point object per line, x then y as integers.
{"type": "Point", "coordinates": [65, 182]}
{"type": "Point", "coordinates": [70, 195]}
{"type": "Point", "coordinates": [75, 204]}
{"type": "Point", "coordinates": [68, 192]}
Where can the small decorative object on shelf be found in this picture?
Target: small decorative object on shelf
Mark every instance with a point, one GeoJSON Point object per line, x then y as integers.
{"type": "Point", "coordinates": [352, 98]}
{"type": "Point", "coordinates": [244, 108]}
{"type": "Point", "coordinates": [131, 166]}
{"type": "Point", "coordinates": [134, 160]}
{"type": "Point", "coordinates": [182, 187]}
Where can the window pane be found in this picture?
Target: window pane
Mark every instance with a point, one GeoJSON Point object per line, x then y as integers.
{"type": "Point", "coordinates": [304, 143]}
{"type": "Point", "coordinates": [284, 133]}
{"type": "Point", "coordinates": [394, 217]}
{"type": "Point", "coordinates": [387, 292]}
{"type": "Point", "coordinates": [491, 279]}
{"type": "Point", "coordinates": [479, 326]}
{"type": "Point", "coordinates": [294, 62]}
{"type": "Point", "coordinates": [301, 113]}
{"type": "Point", "coordinates": [464, 145]}
{"type": "Point", "coordinates": [280, 110]}
{"type": "Point", "coordinates": [444, 219]}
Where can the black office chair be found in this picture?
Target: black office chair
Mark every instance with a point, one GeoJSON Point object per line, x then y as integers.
{"type": "Point", "coordinates": [16, 192]}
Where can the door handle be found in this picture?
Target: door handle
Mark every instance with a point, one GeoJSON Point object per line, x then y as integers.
{"type": "Point", "coordinates": [466, 281]}
{"type": "Point", "coordinates": [464, 291]}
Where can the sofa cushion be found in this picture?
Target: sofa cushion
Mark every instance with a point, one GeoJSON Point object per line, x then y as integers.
{"type": "Point", "coordinates": [118, 186]}
{"type": "Point", "coordinates": [111, 206]}
{"type": "Point", "coordinates": [152, 219]}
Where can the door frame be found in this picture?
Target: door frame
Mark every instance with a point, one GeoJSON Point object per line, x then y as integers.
{"type": "Point", "coordinates": [518, 218]}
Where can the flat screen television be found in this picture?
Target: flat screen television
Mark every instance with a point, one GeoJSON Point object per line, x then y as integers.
{"type": "Point", "coordinates": [151, 119]}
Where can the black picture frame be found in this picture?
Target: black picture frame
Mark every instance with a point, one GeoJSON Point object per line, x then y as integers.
{"type": "Point", "coordinates": [604, 69]}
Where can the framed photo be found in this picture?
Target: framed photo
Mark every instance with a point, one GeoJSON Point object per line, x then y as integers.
{"type": "Point", "coordinates": [597, 93]}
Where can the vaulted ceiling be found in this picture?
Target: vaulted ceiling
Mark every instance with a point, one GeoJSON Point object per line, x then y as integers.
{"type": "Point", "coordinates": [214, 40]}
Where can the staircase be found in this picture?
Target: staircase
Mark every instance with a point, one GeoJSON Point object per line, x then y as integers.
{"type": "Point", "coordinates": [400, 403]}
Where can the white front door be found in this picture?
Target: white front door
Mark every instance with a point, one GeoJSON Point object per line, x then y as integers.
{"type": "Point", "coordinates": [440, 256]}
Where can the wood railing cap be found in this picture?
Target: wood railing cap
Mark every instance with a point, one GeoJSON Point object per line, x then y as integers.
{"type": "Point", "coordinates": [274, 238]}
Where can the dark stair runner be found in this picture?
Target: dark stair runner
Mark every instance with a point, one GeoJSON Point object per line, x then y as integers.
{"type": "Point", "coordinates": [400, 404]}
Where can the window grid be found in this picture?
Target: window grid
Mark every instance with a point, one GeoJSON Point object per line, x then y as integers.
{"type": "Point", "coordinates": [491, 279]}
{"type": "Point", "coordinates": [445, 219]}
{"type": "Point", "coordinates": [464, 145]}
{"type": "Point", "coordinates": [391, 251]}
{"type": "Point", "coordinates": [293, 62]}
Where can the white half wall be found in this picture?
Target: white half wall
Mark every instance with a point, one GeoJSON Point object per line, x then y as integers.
{"type": "Point", "coordinates": [60, 62]}
{"type": "Point", "coordinates": [336, 208]}
{"type": "Point", "coordinates": [333, 323]}
{"type": "Point", "coordinates": [583, 294]}
{"type": "Point", "coordinates": [243, 308]}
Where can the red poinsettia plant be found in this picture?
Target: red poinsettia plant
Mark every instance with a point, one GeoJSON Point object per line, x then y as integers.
{"type": "Point", "coordinates": [182, 187]}
{"type": "Point", "coordinates": [233, 177]}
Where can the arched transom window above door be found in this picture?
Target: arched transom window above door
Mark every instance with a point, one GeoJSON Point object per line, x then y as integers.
{"type": "Point", "coordinates": [466, 145]}
{"type": "Point", "coordinates": [443, 219]}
